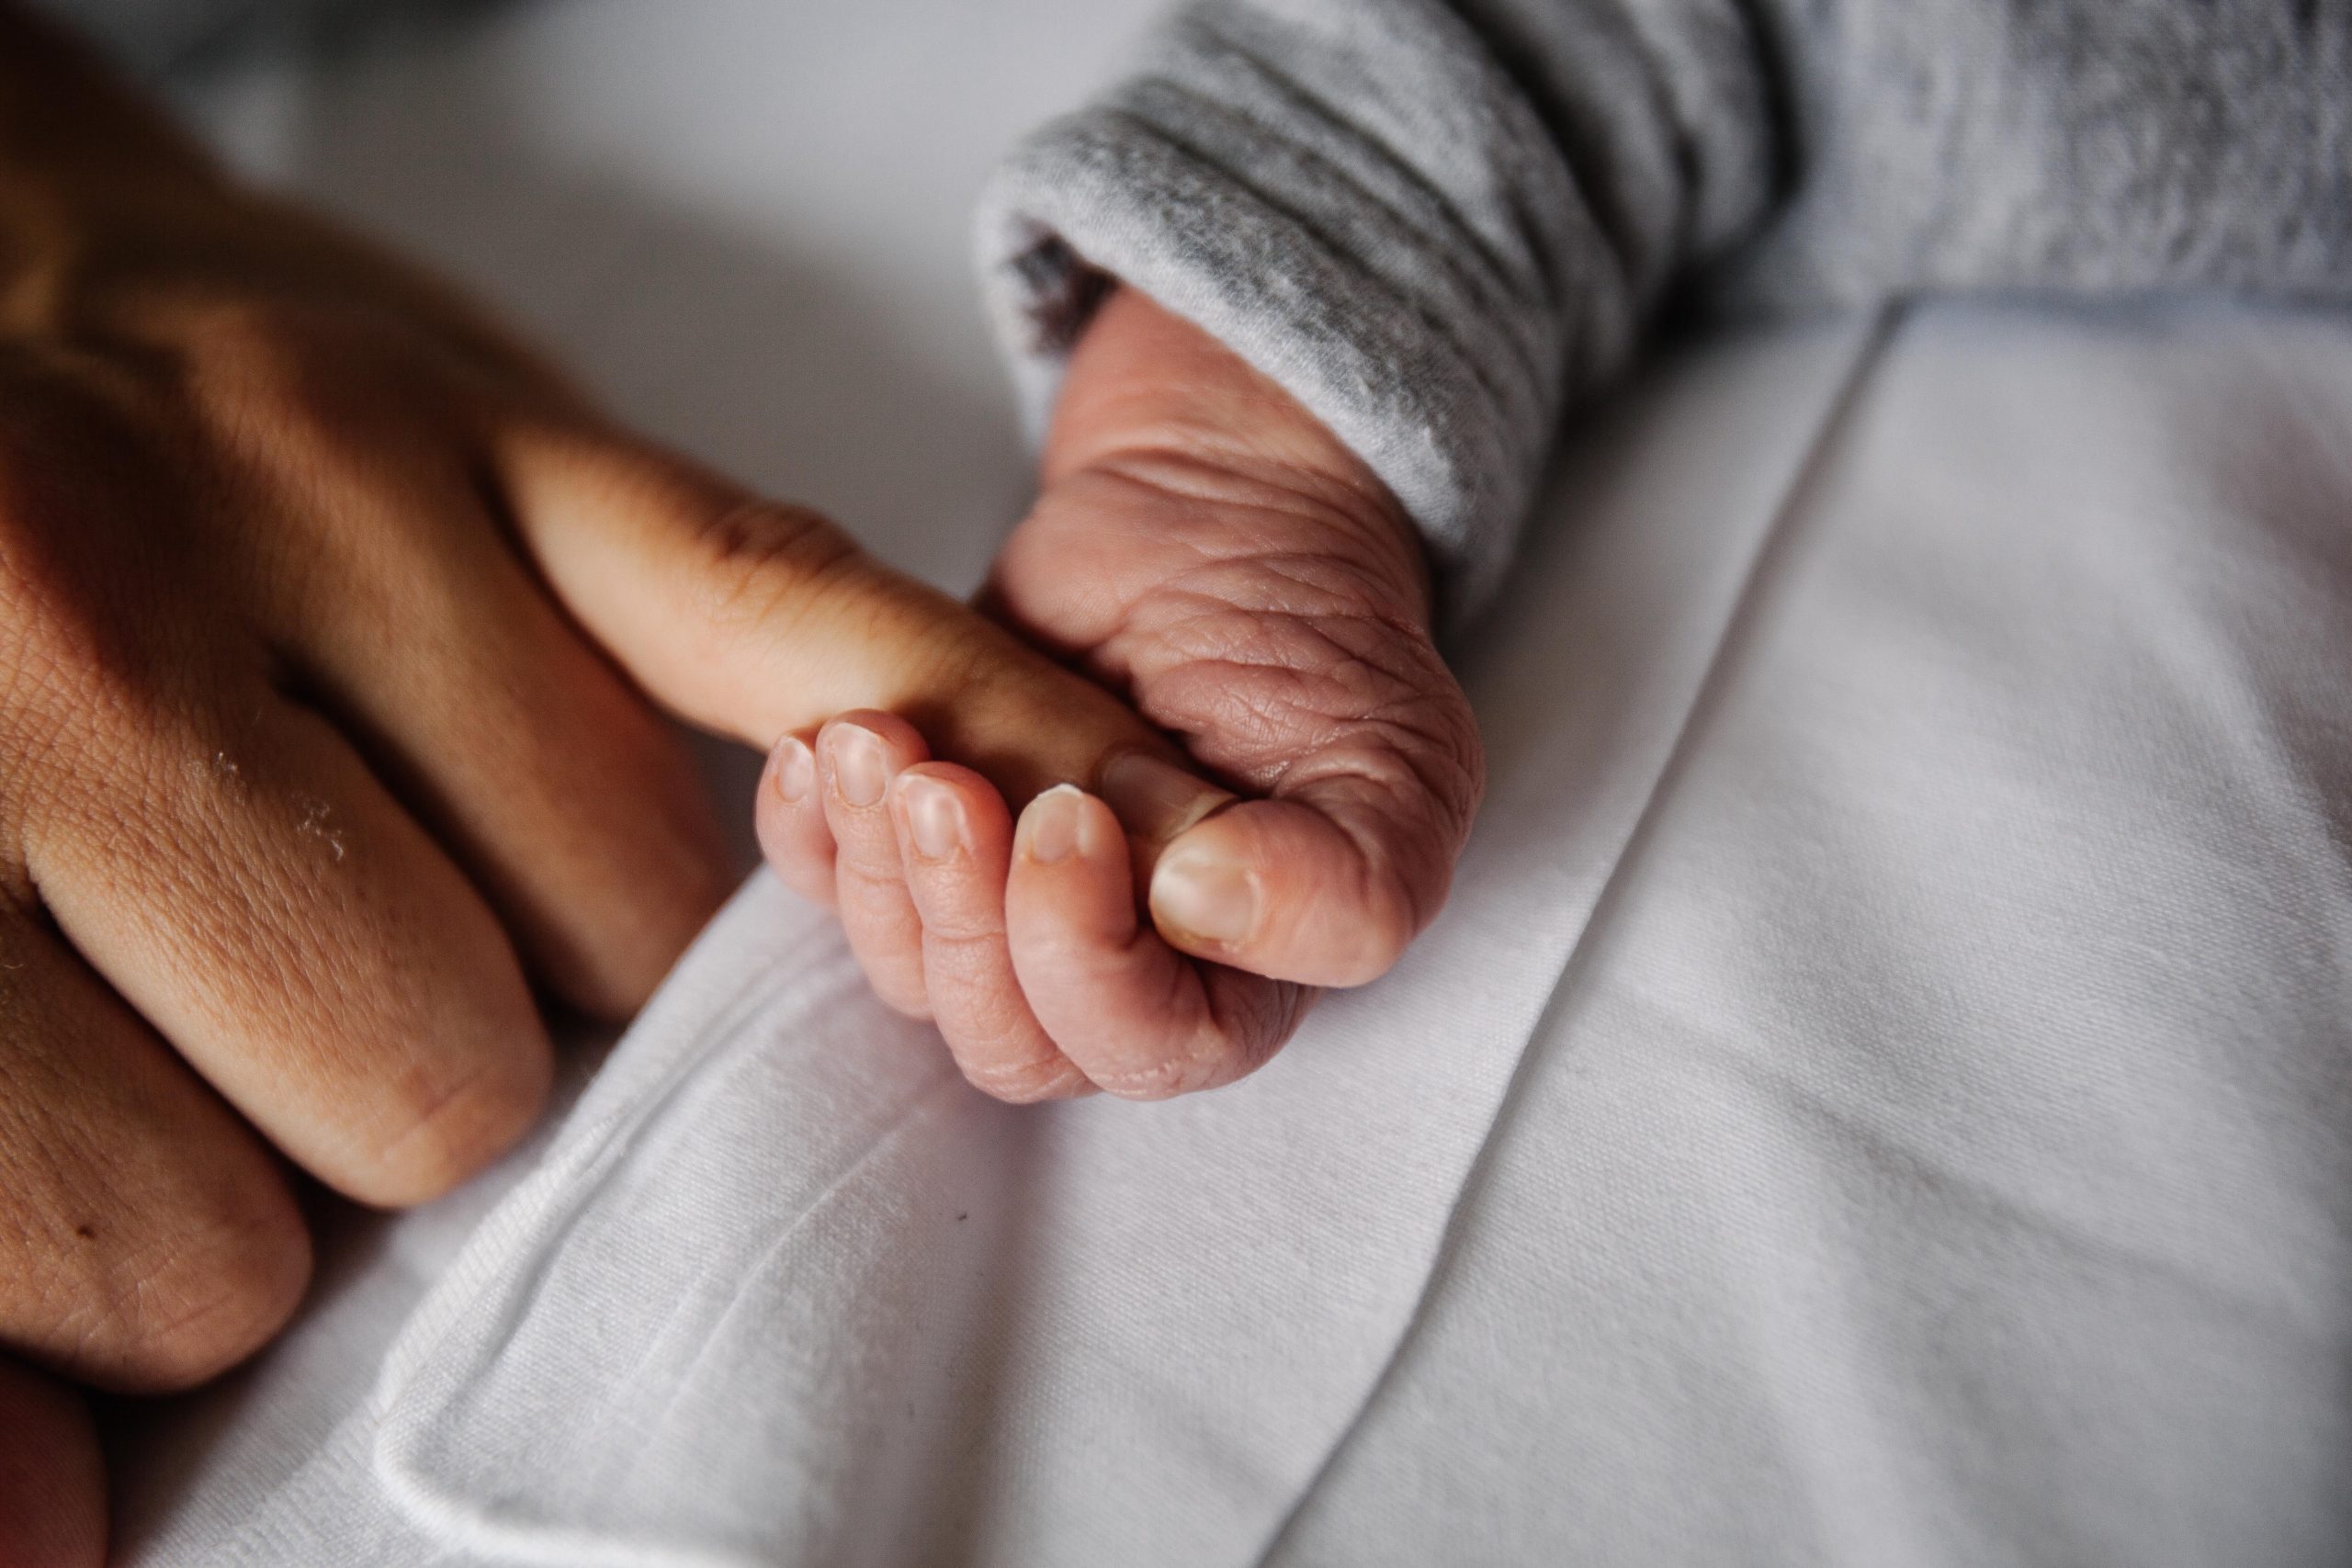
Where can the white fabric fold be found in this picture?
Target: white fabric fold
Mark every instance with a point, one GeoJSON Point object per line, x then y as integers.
{"type": "Point", "coordinates": [1941, 1152]}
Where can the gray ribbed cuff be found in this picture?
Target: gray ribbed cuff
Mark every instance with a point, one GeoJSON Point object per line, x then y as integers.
{"type": "Point", "coordinates": [1451, 404]}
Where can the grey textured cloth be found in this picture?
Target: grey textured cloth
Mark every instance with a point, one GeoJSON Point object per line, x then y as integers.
{"type": "Point", "coordinates": [1439, 223]}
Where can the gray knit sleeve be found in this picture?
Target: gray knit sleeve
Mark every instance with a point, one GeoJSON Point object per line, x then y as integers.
{"type": "Point", "coordinates": [1438, 221]}
{"type": "Point", "coordinates": [1363, 201]}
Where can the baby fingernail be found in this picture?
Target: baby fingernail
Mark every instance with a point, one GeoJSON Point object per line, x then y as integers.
{"type": "Point", "coordinates": [1157, 799]}
{"type": "Point", "coordinates": [795, 770]}
{"type": "Point", "coordinates": [935, 817]}
{"type": "Point", "coordinates": [860, 772]}
{"type": "Point", "coordinates": [1202, 892]}
{"type": "Point", "coordinates": [1054, 822]}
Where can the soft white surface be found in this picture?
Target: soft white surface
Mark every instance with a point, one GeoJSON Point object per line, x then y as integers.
{"type": "Point", "coordinates": [1940, 1148]}
{"type": "Point", "coordinates": [1881, 1093]}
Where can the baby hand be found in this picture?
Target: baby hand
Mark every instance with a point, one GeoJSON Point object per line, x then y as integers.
{"type": "Point", "coordinates": [1205, 549]}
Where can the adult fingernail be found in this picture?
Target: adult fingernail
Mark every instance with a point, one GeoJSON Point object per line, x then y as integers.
{"type": "Point", "coordinates": [1201, 892]}
{"type": "Point", "coordinates": [935, 817]}
{"type": "Point", "coordinates": [859, 770]}
{"type": "Point", "coordinates": [795, 769]}
{"type": "Point", "coordinates": [1054, 822]}
{"type": "Point", "coordinates": [1156, 798]}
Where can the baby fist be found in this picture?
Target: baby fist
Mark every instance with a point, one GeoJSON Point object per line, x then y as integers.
{"type": "Point", "coordinates": [1206, 547]}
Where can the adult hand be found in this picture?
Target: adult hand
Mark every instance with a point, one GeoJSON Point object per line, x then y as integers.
{"type": "Point", "coordinates": [331, 631]}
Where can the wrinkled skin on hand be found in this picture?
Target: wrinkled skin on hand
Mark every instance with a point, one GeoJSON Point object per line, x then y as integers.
{"type": "Point", "coordinates": [336, 632]}
{"type": "Point", "coordinates": [1207, 549]}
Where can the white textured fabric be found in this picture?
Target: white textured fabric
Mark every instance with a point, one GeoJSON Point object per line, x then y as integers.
{"type": "Point", "coordinates": [1940, 1150]}
{"type": "Point", "coordinates": [1881, 1095]}
{"type": "Point", "coordinates": [785, 1290]}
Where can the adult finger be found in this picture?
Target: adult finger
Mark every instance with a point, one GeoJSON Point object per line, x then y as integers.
{"type": "Point", "coordinates": [760, 621]}
{"type": "Point", "coordinates": [152, 1241]}
{"type": "Point", "coordinates": [572, 806]}
{"type": "Point", "coordinates": [246, 885]}
{"type": "Point", "coordinates": [52, 1481]}
{"type": "Point", "coordinates": [1139, 1018]}
{"type": "Point", "coordinates": [955, 837]}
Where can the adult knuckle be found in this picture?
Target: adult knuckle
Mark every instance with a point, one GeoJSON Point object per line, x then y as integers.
{"type": "Point", "coordinates": [763, 560]}
{"type": "Point", "coordinates": [218, 1276]}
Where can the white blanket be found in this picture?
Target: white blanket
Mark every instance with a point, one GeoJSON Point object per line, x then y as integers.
{"type": "Point", "coordinates": [1881, 1093]}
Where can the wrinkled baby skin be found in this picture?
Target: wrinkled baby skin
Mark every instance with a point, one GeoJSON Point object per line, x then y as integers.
{"type": "Point", "coordinates": [335, 631]}
{"type": "Point", "coordinates": [1205, 549]}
